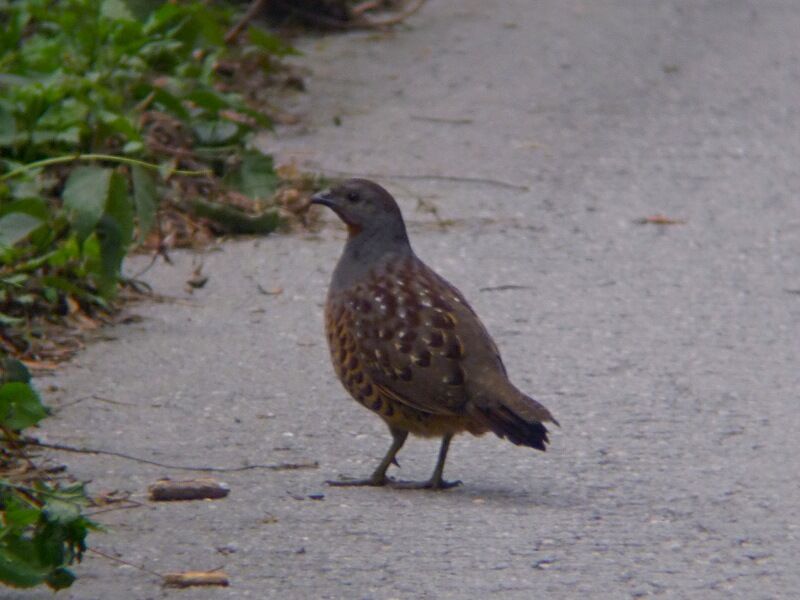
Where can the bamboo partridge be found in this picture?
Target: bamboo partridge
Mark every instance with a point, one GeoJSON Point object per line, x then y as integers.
{"type": "Point", "coordinates": [406, 345]}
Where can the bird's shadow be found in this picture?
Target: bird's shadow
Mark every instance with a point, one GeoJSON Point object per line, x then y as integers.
{"type": "Point", "coordinates": [504, 495]}
{"type": "Point", "coordinates": [548, 494]}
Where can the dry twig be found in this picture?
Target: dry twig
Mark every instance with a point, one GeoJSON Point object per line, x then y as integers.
{"type": "Point", "coordinates": [165, 490]}
{"type": "Point", "coordinates": [195, 578]}
{"type": "Point", "coordinates": [270, 467]}
{"type": "Point", "coordinates": [252, 11]}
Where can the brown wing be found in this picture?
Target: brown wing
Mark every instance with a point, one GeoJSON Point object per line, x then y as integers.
{"type": "Point", "coordinates": [413, 335]}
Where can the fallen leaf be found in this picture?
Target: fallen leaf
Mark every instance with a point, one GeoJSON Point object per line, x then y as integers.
{"type": "Point", "coordinates": [85, 322]}
{"type": "Point", "coordinates": [72, 305]}
{"type": "Point", "coordinates": [288, 171]}
{"type": "Point", "coordinates": [40, 365]}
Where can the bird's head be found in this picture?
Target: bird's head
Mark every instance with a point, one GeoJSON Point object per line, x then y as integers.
{"type": "Point", "coordinates": [366, 208]}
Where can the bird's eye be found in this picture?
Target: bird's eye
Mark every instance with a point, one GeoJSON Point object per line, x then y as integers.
{"type": "Point", "coordinates": [353, 197]}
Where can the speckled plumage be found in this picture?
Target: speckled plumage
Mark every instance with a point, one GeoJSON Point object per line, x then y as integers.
{"type": "Point", "coordinates": [407, 345]}
{"type": "Point", "coordinates": [395, 347]}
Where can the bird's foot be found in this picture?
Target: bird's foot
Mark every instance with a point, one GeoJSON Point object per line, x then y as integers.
{"type": "Point", "coordinates": [431, 484]}
{"type": "Point", "coordinates": [370, 481]}
{"type": "Point", "coordinates": [400, 484]}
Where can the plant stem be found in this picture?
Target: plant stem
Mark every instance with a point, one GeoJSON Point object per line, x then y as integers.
{"type": "Point", "coordinates": [109, 157]}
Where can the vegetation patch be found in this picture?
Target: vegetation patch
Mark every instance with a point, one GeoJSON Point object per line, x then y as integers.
{"type": "Point", "coordinates": [43, 529]}
{"type": "Point", "coordinates": [122, 125]}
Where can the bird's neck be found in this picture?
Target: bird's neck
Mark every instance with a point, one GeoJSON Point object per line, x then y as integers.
{"type": "Point", "coordinates": [366, 250]}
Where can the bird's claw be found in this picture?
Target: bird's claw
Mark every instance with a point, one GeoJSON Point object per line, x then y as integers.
{"type": "Point", "coordinates": [372, 482]}
{"type": "Point", "coordinates": [431, 484]}
{"type": "Point", "coordinates": [400, 484]}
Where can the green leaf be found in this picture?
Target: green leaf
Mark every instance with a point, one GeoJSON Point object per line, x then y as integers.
{"type": "Point", "coordinates": [20, 406]}
{"type": "Point", "coordinates": [26, 185]}
{"type": "Point", "coordinates": [169, 102]}
{"type": "Point", "coordinates": [17, 279]}
{"type": "Point", "coordinates": [145, 199]}
{"type": "Point", "coordinates": [269, 43]}
{"type": "Point", "coordinates": [64, 285]}
{"type": "Point", "coordinates": [134, 148]}
{"type": "Point", "coordinates": [119, 208]}
{"type": "Point", "coordinates": [114, 232]}
{"type": "Point", "coordinates": [70, 135]}
{"type": "Point", "coordinates": [15, 371]}
{"type": "Point", "coordinates": [163, 54]}
{"type": "Point", "coordinates": [61, 511]}
{"type": "Point", "coordinates": [259, 117]}
{"type": "Point", "coordinates": [36, 207]}
{"type": "Point", "coordinates": [20, 570]}
{"type": "Point", "coordinates": [37, 545]}
{"type": "Point", "coordinates": [18, 514]}
{"type": "Point", "coordinates": [15, 227]}
{"type": "Point", "coordinates": [85, 196]}
{"type": "Point", "coordinates": [63, 115]}
{"type": "Point", "coordinates": [208, 25]}
{"type": "Point", "coordinates": [8, 127]}
{"type": "Point", "coordinates": [116, 10]}
{"type": "Point", "coordinates": [209, 100]}
{"type": "Point", "coordinates": [9, 321]}
{"type": "Point", "coordinates": [163, 15]}
{"type": "Point", "coordinates": [70, 250]}
{"type": "Point", "coordinates": [49, 543]}
{"type": "Point", "coordinates": [50, 295]}
{"type": "Point", "coordinates": [43, 55]}
{"type": "Point", "coordinates": [120, 123]}
{"type": "Point", "coordinates": [255, 176]}
{"type": "Point", "coordinates": [60, 578]}
{"type": "Point", "coordinates": [216, 133]}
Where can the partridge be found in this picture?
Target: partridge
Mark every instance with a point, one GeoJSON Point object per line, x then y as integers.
{"type": "Point", "coordinates": [406, 344]}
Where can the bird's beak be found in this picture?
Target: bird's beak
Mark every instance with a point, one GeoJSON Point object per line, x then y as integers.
{"type": "Point", "coordinates": [325, 198]}
{"type": "Point", "coordinates": [328, 198]}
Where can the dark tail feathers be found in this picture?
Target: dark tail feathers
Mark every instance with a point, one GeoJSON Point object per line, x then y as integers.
{"type": "Point", "coordinates": [507, 424]}
{"type": "Point", "coordinates": [517, 418]}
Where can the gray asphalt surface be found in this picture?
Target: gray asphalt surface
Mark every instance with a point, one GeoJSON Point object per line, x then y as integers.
{"type": "Point", "coordinates": [668, 353]}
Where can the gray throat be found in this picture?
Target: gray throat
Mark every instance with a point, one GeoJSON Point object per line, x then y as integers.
{"type": "Point", "coordinates": [366, 251]}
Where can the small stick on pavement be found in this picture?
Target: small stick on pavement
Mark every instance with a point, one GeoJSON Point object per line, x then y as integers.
{"type": "Point", "coordinates": [193, 578]}
{"type": "Point", "coordinates": [125, 562]}
{"type": "Point", "coordinates": [659, 220]}
{"type": "Point", "coordinates": [194, 489]}
{"type": "Point", "coordinates": [181, 580]}
{"type": "Point", "coordinates": [269, 467]}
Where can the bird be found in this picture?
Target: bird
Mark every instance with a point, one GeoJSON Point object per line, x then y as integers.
{"type": "Point", "coordinates": [406, 344]}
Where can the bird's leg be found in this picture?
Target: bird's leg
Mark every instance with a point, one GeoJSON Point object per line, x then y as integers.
{"type": "Point", "coordinates": [378, 477]}
{"type": "Point", "coordinates": [435, 482]}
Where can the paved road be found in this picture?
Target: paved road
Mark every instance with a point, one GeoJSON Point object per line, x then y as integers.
{"type": "Point", "coordinates": [669, 353]}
